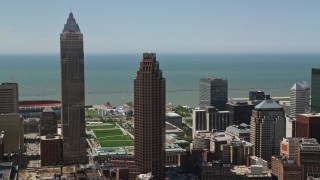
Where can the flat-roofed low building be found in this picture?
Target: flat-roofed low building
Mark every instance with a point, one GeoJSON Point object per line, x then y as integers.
{"type": "Point", "coordinates": [174, 139]}
{"type": "Point", "coordinates": [239, 151]}
{"type": "Point", "coordinates": [174, 118]}
{"type": "Point", "coordinates": [217, 170]}
{"type": "Point", "coordinates": [87, 173]}
{"type": "Point", "coordinates": [309, 157]}
{"type": "Point", "coordinates": [241, 131]}
{"type": "Point", "coordinates": [253, 172]}
{"type": "Point", "coordinates": [285, 169]}
{"type": "Point", "coordinates": [115, 172]}
{"type": "Point", "coordinates": [50, 150]}
{"type": "Point", "coordinates": [172, 129]}
{"type": "Point", "coordinates": [6, 171]}
{"type": "Point", "coordinates": [201, 140]}
{"type": "Point", "coordinates": [172, 155]}
{"type": "Point", "coordinates": [254, 160]}
{"type": "Point", "coordinates": [99, 155]}
{"type": "Point", "coordinates": [125, 162]}
{"type": "Point", "coordinates": [12, 125]}
{"type": "Point", "coordinates": [216, 142]}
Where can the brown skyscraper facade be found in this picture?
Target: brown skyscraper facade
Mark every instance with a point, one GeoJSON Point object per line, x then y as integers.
{"type": "Point", "coordinates": [72, 93]}
{"type": "Point", "coordinates": [308, 125]}
{"type": "Point", "coordinates": [48, 122]}
{"type": "Point", "coordinates": [9, 98]}
{"type": "Point", "coordinates": [149, 123]}
{"type": "Point", "coordinates": [267, 128]}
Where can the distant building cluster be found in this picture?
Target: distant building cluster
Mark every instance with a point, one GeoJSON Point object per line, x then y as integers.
{"type": "Point", "coordinates": [259, 137]}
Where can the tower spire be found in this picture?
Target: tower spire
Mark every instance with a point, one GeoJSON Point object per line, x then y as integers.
{"type": "Point", "coordinates": [71, 24]}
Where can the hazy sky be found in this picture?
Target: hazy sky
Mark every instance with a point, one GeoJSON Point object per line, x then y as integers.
{"type": "Point", "coordinates": [164, 26]}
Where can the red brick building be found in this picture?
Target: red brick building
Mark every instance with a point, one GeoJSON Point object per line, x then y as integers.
{"type": "Point", "coordinates": [50, 150]}
{"type": "Point", "coordinates": [308, 126]}
{"type": "Point", "coordinates": [285, 169]}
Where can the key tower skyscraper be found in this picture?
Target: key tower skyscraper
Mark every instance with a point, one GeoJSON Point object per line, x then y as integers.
{"type": "Point", "coordinates": [149, 123]}
{"type": "Point", "coordinates": [72, 93]}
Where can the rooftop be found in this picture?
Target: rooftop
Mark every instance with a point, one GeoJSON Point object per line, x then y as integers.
{"type": "Point", "coordinates": [250, 171]}
{"type": "Point", "coordinates": [5, 170]}
{"type": "Point", "coordinates": [310, 114]}
{"type": "Point", "coordinates": [174, 148]}
{"type": "Point", "coordinates": [172, 114]}
{"type": "Point", "coordinates": [239, 142]}
{"type": "Point", "coordinates": [285, 162]}
{"type": "Point", "coordinates": [49, 137]}
{"type": "Point", "coordinates": [212, 79]}
{"type": "Point", "coordinates": [109, 151]}
{"type": "Point", "coordinates": [300, 86]}
{"type": "Point", "coordinates": [145, 176]}
{"type": "Point", "coordinates": [175, 139]}
{"type": "Point", "coordinates": [48, 109]}
{"type": "Point", "coordinates": [268, 104]}
{"type": "Point", "coordinates": [309, 145]}
{"type": "Point", "coordinates": [239, 129]}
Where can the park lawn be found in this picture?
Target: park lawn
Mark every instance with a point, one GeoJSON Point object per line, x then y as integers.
{"type": "Point", "coordinates": [116, 143]}
{"type": "Point", "coordinates": [112, 138]}
{"type": "Point", "coordinates": [92, 127]}
{"type": "Point", "coordinates": [92, 114]}
{"type": "Point", "coordinates": [118, 137]}
{"type": "Point", "coordinates": [107, 132]}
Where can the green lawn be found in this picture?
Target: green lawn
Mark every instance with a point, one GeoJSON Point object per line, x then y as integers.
{"type": "Point", "coordinates": [104, 133]}
{"type": "Point", "coordinates": [118, 137]}
{"type": "Point", "coordinates": [92, 114]}
{"type": "Point", "coordinates": [92, 127]}
{"type": "Point", "coordinates": [110, 136]}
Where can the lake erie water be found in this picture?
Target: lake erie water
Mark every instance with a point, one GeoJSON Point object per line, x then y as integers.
{"type": "Point", "coordinates": [109, 77]}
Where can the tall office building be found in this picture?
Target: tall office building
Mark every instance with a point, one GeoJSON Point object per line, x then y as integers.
{"type": "Point", "coordinates": [9, 98]}
{"type": "Point", "coordinates": [72, 93]}
{"type": "Point", "coordinates": [210, 119]}
{"type": "Point", "coordinates": [239, 112]}
{"type": "Point", "coordinates": [48, 122]}
{"type": "Point", "coordinates": [256, 97]}
{"type": "Point", "coordinates": [213, 92]}
{"type": "Point", "coordinates": [12, 126]}
{"type": "Point", "coordinates": [267, 129]}
{"type": "Point", "coordinates": [308, 125]}
{"type": "Point", "coordinates": [315, 90]}
{"type": "Point", "coordinates": [299, 98]}
{"type": "Point", "coordinates": [149, 123]}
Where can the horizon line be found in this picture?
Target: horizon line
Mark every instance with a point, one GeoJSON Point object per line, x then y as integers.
{"type": "Point", "coordinates": [178, 53]}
